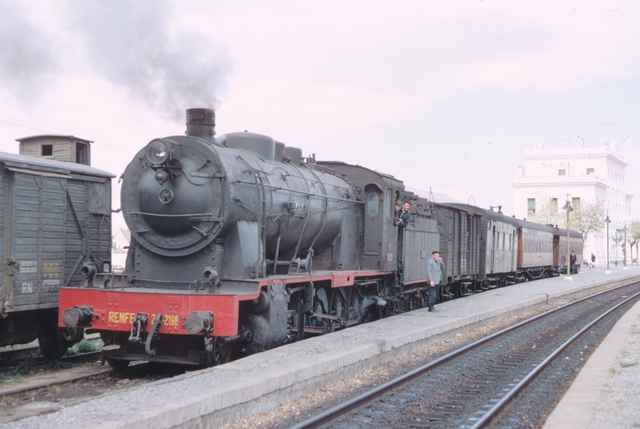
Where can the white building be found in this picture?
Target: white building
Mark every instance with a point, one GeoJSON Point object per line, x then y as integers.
{"type": "Point", "coordinates": [584, 174]}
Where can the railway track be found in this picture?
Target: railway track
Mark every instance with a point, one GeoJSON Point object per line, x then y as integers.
{"type": "Point", "coordinates": [475, 386]}
{"type": "Point", "coordinates": [52, 391]}
{"type": "Point", "coordinates": [53, 378]}
{"type": "Point", "coordinates": [12, 356]}
{"type": "Point", "coordinates": [23, 369]}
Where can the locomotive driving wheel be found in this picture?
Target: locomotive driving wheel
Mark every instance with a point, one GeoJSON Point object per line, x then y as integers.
{"type": "Point", "coordinates": [321, 307]}
{"type": "Point", "coordinates": [340, 308]}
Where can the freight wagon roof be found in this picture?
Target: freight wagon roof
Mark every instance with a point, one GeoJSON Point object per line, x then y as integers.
{"type": "Point", "coordinates": [549, 228]}
{"type": "Point", "coordinates": [512, 220]}
{"type": "Point", "coordinates": [48, 165]}
{"type": "Point", "coordinates": [483, 212]}
{"type": "Point", "coordinates": [57, 136]}
{"type": "Point", "coordinates": [537, 226]}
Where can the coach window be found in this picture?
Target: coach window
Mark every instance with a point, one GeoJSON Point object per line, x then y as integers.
{"type": "Point", "coordinates": [562, 172]}
{"type": "Point", "coordinates": [590, 171]}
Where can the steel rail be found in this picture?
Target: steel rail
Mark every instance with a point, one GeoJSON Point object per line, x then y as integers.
{"type": "Point", "coordinates": [336, 411]}
{"type": "Point", "coordinates": [11, 390]}
{"type": "Point", "coordinates": [64, 378]}
{"type": "Point", "coordinates": [487, 417]}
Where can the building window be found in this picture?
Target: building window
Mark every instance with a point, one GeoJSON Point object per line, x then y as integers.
{"type": "Point", "coordinates": [531, 206]}
{"type": "Point", "coordinates": [562, 172]}
{"type": "Point", "coordinates": [554, 205]}
{"type": "Point", "coordinates": [575, 203]}
{"type": "Point", "coordinates": [46, 150]}
{"type": "Point", "coordinates": [590, 171]}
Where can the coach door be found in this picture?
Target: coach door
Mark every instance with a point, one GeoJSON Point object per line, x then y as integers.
{"type": "Point", "coordinates": [493, 248]}
{"type": "Point", "coordinates": [520, 260]}
{"type": "Point", "coordinates": [373, 227]}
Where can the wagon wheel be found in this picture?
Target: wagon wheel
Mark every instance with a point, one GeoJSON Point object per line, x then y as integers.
{"type": "Point", "coordinates": [52, 344]}
{"type": "Point", "coordinates": [118, 365]}
{"type": "Point", "coordinates": [50, 339]}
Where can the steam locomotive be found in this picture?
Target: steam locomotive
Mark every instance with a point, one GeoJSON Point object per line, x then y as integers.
{"type": "Point", "coordinates": [239, 244]}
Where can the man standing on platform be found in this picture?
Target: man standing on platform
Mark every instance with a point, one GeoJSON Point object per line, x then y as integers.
{"type": "Point", "coordinates": [434, 271]}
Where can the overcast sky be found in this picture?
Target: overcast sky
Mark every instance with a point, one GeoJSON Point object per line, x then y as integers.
{"type": "Point", "coordinates": [440, 94]}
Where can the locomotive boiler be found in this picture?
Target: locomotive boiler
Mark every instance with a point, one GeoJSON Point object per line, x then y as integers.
{"type": "Point", "coordinates": [214, 204]}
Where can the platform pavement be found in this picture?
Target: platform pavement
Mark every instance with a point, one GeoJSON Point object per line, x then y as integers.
{"type": "Point", "coordinates": [190, 400]}
{"type": "Point", "coordinates": [606, 393]}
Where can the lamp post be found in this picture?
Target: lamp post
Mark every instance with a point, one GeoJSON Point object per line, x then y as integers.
{"type": "Point", "coordinates": [568, 209]}
{"type": "Point", "coordinates": [624, 247]}
{"type": "Point", "coordinates": [607, 221]}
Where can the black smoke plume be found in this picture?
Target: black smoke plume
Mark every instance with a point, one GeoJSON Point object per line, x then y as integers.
{"type": "Point", "coordinates": [26, 58]}
{"type": "Point", "coordinates": [131, 43]}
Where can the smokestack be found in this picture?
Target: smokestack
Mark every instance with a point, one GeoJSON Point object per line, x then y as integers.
{"type": "Point", "coordinates": [201, 122]}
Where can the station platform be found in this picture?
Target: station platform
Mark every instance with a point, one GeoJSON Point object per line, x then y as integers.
{"type": "Point", "coordinates": [607, 390]}
{"type": "Point", "coordinates": [196, 398]}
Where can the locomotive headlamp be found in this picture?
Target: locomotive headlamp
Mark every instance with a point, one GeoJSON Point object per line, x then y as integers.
{"type": "Point", "coordinates": [157, 152]}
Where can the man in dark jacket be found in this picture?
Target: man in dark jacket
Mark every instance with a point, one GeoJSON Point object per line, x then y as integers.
{"type": "Point", "coordinates": [434, 272]}
{"type": "Point", "coordinates": [403, 214]}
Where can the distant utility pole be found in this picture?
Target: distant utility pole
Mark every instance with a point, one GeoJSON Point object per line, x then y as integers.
{"type": "Point", "coordinates": [607, 221]}
{"type": "Point", "coordinates": [624, 246]}
{"type": "Point", "coordinates": [569, 209]}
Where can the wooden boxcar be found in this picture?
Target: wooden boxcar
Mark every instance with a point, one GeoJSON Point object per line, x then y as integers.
{"type": "Point", "coordinates": [55, 219]}
{"type": "Point", "coordinates": [460, 244]}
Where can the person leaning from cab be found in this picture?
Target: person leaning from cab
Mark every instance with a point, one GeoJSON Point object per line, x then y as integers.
{"type": "Point", "coordinates": [402, 214]}
{"type": "Point", "coordinates": [435, 273]}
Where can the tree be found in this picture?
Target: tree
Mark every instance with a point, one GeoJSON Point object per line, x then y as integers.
{"type": "Point", "coordinates": [618, 241]}
{"type": "Point", "coordinates": [634, 231]}
{"type": "Point", "coordinates": [586, 219]}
